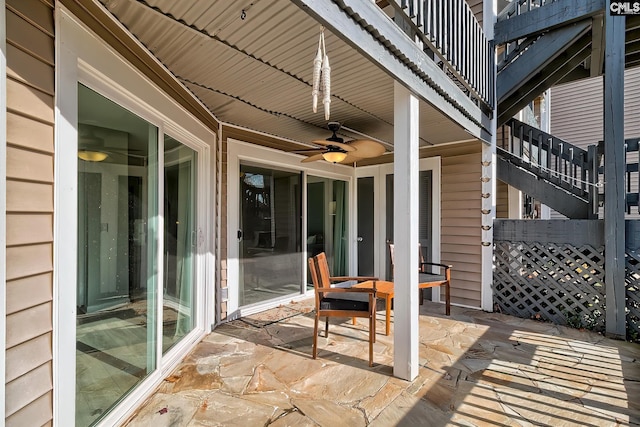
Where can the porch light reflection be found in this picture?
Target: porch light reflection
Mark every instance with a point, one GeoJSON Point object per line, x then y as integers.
{"type": "Point", "coordinates": [92, 156]}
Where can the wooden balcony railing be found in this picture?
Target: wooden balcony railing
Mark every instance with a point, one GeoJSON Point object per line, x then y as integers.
{"type": "Point", "coordinates": [449, 31]}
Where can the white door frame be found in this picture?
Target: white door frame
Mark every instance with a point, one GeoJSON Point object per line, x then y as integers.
{"type": "Point", "coordinates": [3, 202]}
{"type": "Point", "coordinates": [81, 57]}
{"type": "Point", "coordinates": [379, 172]}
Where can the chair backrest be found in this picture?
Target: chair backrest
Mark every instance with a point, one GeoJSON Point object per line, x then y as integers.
{"type": "Point", "coordinates": [320, 272]}
{"type": "Point", "coordinates": [420, 257]}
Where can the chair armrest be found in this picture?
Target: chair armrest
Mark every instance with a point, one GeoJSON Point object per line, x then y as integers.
{"type": "Point", "coordinates": [447, 268]}
{"type": "Point", "coordinates": [371, 291]}
{"type": "Point", "coordinates": [350, 290]}
{"type": "Point", "coordinates": [436, 264]}
{"type": "Point", "coordinates": [347, 278]}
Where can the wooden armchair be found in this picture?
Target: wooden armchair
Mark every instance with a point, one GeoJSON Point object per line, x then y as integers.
{"type": "Point", "coordinates": [427, 279]}
{"type": "Point", "coordinates": [341, 301]}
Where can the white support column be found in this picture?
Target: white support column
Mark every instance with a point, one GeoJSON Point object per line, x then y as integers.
{"type": "Point", "coordinates": [488, 211]}
{"type": "Point", "coordinates": [515, 202]}
{"type": "Point", "coordinates": [405, 232]}
{"type": "Point", "coordinates": [545, 126]}
{"type": "Point", "coordinates": [488, 214]}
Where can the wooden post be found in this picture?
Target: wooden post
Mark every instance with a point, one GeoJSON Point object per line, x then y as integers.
{"type": "Point", "coordinates": [614, 169]}
{"type": "Point", "coordinates": [405, 233]}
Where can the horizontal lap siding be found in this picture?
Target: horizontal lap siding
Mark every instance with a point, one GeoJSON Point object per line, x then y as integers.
{"type": "Point", "coordinates": [502, 200]}
{"type": "Point", "coordinates": [582, 124]}
{"type": "Point", "coordinates": [30, 145]}
{"type": "Point", "coordinates": [461, 218]}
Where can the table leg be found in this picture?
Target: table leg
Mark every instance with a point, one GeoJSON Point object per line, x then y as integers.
{"type": "Point", "coordinates": [387, 307]}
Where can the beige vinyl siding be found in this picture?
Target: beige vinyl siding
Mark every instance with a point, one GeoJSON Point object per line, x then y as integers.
{"type": "Point", "coordinates": [461, 218]}
{"type": "Point", "coordinates": [502, 200]}
{"type": "Point", "coordinates": [576, 109]}
{"type": "Point", "coordinates": [30, 112]}
{"type": "Point", "coordinates": [577, 114]}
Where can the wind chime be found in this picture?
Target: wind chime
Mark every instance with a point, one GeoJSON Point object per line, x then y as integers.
{"type": "Point", "coordinates": [321, 73]}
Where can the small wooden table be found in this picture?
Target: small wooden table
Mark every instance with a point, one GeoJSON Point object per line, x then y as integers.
{"type": "Point", "coordinates": [384, 289]}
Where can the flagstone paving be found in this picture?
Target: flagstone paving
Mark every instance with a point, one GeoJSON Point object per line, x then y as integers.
{"type": "Point", "coordinates": [476, 369]}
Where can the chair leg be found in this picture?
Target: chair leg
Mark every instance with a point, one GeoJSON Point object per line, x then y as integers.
{"type": "Point", "coordinates": [374, 325]}
{"type": "Point", "coordinates": [447, 293]}
{"type": "Point", "coordinates": [372, 337]}
{"type": "Point", "coordinates": [315, 337]}
{"type": "Point", "coordinates": [421, 296]}
{"type": "Point", "coordinates": [326, 327]}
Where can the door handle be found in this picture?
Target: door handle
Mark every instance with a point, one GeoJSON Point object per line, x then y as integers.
{"type": "Point", "coordinates": [239, 235]}
{"type": "Point", "coordinates": [359, 239]}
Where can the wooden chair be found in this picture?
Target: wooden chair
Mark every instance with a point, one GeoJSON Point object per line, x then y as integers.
{"type": "Point", "coordinates": [341, 300]}
{"type": "Point", "coordinates": [427, 279]}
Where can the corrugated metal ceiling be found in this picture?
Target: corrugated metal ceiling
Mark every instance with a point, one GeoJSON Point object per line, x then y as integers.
{"type": "Point", "coordinates": [254, 70]}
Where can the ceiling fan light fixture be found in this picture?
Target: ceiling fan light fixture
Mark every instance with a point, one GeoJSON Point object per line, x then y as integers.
{"type": "Point", "coordinates": [334, 156]}
{"type": "Point", "coordinates": [92, 156]}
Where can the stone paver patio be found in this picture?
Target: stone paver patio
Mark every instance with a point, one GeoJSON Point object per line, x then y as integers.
{"type": "Point", "coordinates": [477, 369]}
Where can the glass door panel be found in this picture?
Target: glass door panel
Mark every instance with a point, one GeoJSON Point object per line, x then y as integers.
{"type": "Point", "coordinates": [366, 226]}
{"type": "Point", "coordinates": [327, 222]}
{"type": "Point", "coordinates": [179, 241]}
{"type": "Point", "coordinates": [271, 234]}
{"type": "Point", "coordinates": [117, 269]}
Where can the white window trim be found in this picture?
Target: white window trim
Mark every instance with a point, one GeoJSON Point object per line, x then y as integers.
{"type": "Point", "coordinates": [3, 202]}
{"type": "Point", "coordinates": [79, 56]}
{"type": "Point", "coordinates": [242, 151]}
{"type": "Point", "coordinates": [378, 172]}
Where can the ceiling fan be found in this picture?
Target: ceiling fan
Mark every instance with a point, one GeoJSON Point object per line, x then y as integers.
{"type": "Point", "coordinates": [335, 150]}
{"type": "Point", "coordinates": [93, 147]}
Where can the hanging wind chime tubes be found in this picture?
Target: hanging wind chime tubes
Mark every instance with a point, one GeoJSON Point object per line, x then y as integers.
{"type": "Point", "coordinates": [322, 74]}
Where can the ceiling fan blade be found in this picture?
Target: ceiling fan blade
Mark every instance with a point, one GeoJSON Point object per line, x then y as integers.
{"type": "Point", "coordinates": [366, 148]}
{"type": "Point", "coordinates": [309, 151]}
{"type": "Point", "coordinates": [313, 158]}
{"type": "Point", "coordinates": [345, 147]}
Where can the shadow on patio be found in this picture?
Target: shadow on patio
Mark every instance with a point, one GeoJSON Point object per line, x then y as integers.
{"type": "Point", "coordinates": [476, 369]}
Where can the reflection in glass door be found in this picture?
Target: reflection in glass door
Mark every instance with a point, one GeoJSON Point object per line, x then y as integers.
{"type": "Point", "coordinates": [117, 262]}
{"type": "Point", "coordinates": [327, 222]}
{"type": "Point", "coordinates": [179, 241]}
{"type": "Point", "coordinates": [270, 235]}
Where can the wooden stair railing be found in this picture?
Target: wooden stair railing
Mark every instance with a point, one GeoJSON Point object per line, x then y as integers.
{"type": "Point", "coordinates": [553, 160]}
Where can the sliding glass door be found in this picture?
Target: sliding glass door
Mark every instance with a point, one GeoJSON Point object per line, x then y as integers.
{"type": "Point", "coordinates": [133, 249]}
{"type": "Point", "coordinates": [117, 262]}
{"type": "Point", "coordinates": [270, 234]}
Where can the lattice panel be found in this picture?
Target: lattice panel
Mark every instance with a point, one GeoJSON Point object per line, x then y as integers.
{"type": "Point", "coordinates": [632, 281]}
{"type": "Point", "coordinates": [556, 282]}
